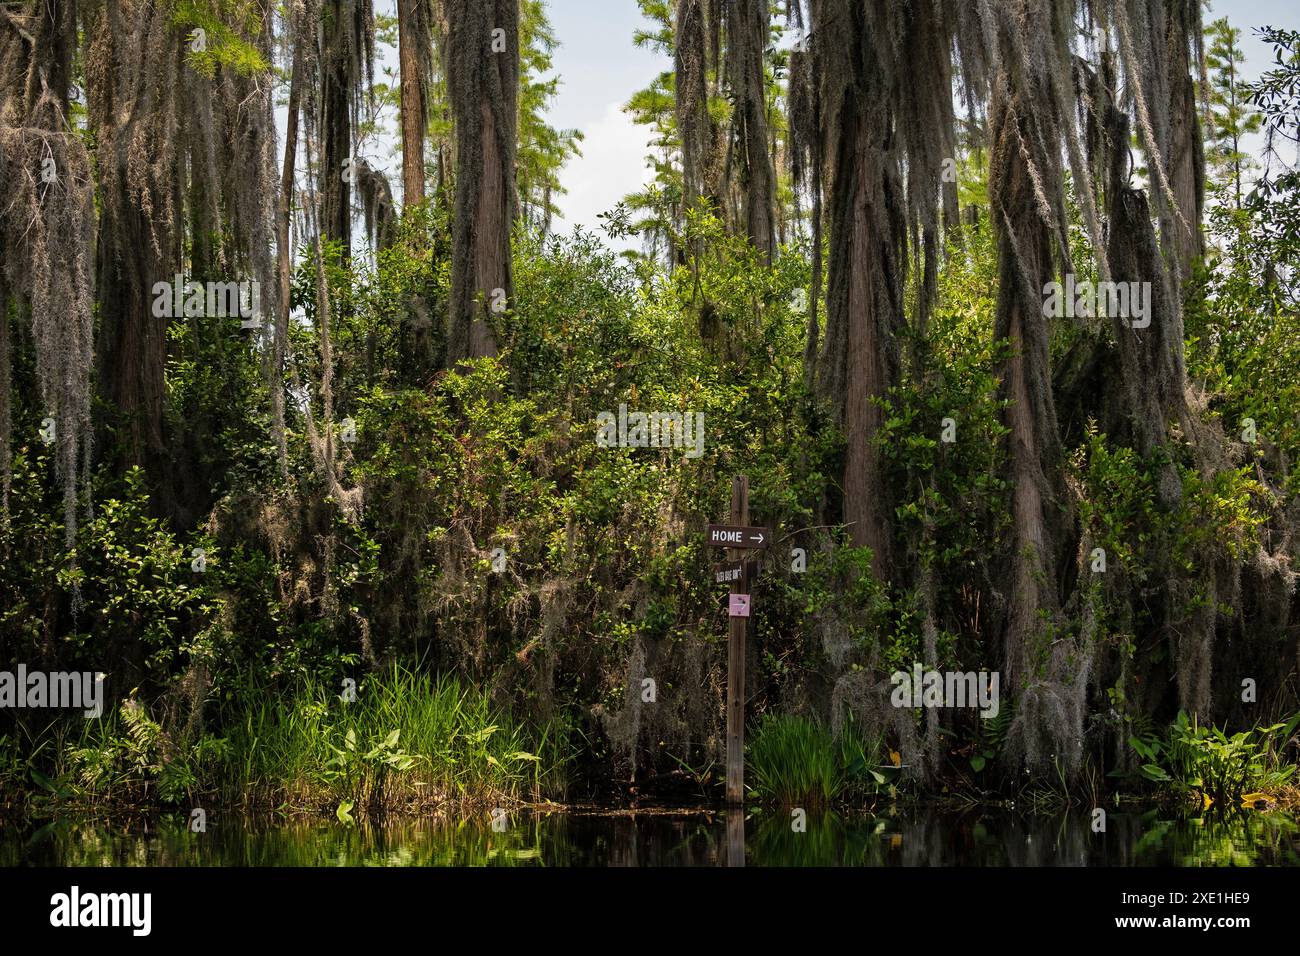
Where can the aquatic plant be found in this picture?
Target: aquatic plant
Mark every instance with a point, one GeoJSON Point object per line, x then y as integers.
{"type": "Point", "coordinates": [799, 762]}
{"type": "Point", "coordinates": [407, 742]}
{"type": "Point", "coordinates": [1206, 761]}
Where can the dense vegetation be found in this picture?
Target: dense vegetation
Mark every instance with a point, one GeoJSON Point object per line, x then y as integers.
{"type": "Point", "coordinates": [362, 551]}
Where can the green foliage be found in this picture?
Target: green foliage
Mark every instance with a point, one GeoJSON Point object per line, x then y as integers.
{"type": "Point", "coordinates": [543, 149]}
{"type": "Point", "coordinates": [1205, 760]}
{"type": "Point", "coordinates": [798, 762]}
{"type": "Point", "coordinates": [128, 759]}
{"type": "Point", "coordinates": [1230, 119]}
{"type": "Point", "coordinates": [604, 560]}
{"type": "Point", "coordinates": [225, 25]}
{"type": "Point", "coordinates": [1241, 316]}
{"type": "Point", "coordinates": [408, 741]}
{"type": "Point", "coordinates": [1272, 201]}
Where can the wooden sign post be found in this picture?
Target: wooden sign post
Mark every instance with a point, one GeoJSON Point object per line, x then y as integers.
{"type": "Point", "coordinates": [736, 660]}
{"type": "Point", "coordinates": [737, 537]}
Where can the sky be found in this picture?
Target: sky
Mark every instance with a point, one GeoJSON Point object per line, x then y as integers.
{"type": "Point", "coordinates": [600, 69]}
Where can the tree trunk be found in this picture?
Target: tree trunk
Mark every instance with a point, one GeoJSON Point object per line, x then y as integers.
{"type": "Point", "coordinates": [1037, 491]}
{"type": "Point", "coordinates": [746, 44]}
{"type": "Point", "coordinates": [863, 309]}
{"type": "Point", "coordinates": [413, 63]}
{"type": "Point", "coordinates": [284, 261]}
{"type": "Point", "coordinates": [864, 290]}
{"type": "Point", "coordinates": [483, 59]}
{"type": "Point", "coordinates": [336, 171]}
{"type": "Point", "coordinates": [867, 377]}
{"type": "Point", "coordinates": [135, 249]}
{"type": "Point", "coordinates": [1182, 236]}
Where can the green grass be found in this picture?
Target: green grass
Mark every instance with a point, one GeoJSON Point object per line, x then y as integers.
{"type": "Point", "coordinates": [409, 743]}
{"type": "Point", "coordinates": [797, 762]}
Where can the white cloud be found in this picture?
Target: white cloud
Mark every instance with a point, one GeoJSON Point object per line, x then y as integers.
{"type": "Point", "coordinates": [611, 166]}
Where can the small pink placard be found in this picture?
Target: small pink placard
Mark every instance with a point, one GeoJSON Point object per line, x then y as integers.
{"type": "Point", "coordinates": [739, 606]}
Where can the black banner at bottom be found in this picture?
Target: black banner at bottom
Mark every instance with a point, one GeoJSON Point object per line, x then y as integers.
{"type": "Point", "coordinates": [916, 905]}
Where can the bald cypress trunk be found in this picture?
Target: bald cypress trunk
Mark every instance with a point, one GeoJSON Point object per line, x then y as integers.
{"type": "Point", "coordinates": [134, 106]}
{"type": "Point", "coordinates": [414, 40]}
{"type": "Point", "coordinates": [1151, 364]}
{"type": "Point", "coordinates": [860, 286]}
{"type": "Point", "coordinates": [864, 295]}
{"type": "Point", "coordinates": [1047, 664]}
{"type": "Point", "coordinates": [483, 65]}
{"type": "Point", "coordinates": [1024, 267]}
{"type": "Point", "coordinates": [746, 42]}
{"type": "Point", "coordinates": [336, 99]}
{"type": "Point", "coordinates": [1182, 235]}
{"type": "Point", "coordinates": [56, 37]}
{"type": "Point", "coordinates": [692, 95]}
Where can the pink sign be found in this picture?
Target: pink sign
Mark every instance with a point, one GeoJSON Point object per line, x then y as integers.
{"type": "Point", "coordinates": [739, 605]}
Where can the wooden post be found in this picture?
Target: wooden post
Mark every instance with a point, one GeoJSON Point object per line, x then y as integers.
{"type": "Point", "coordinates": [735, 836]}
{"type": "Point", "coordinates": [736, 659]}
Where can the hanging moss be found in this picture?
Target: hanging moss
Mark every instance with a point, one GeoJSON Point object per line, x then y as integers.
{"type": "Point", "coordinates": [184, 142]}
{"type": "Point", "coordinates": [377, 204]}
{"type": "Point", "coordinates": [346, 58]}
{"type": "Point", "coordinates": [46, 236]}
{"type": "Point", "coordinates": [1046, 667]}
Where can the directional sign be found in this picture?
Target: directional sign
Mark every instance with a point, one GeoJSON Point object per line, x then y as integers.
{"type": "Point", "coordinates": [728, 572]}
{"type": "Point", "coordinates": [738, 605]}
{"type": "Point", "coordinates": [736, 536]}
{"type": "Point", "coordinates": [731, 572]}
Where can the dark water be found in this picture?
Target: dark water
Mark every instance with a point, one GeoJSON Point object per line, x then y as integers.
{"type": "Point", "coordinates": [678, 838]}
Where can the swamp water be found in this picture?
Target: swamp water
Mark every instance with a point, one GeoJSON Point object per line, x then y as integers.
{"type": "Point", "coordinates": [678, 837]}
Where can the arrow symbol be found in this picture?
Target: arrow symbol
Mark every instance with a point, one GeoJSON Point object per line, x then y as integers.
{"type": "Point", "coordinates": [757, 537]}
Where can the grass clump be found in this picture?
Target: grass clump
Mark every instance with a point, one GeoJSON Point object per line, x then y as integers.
{"type": "Point", "coordinates": [409, 742]}
{"type": "Point", "coordinates": [798, 762]}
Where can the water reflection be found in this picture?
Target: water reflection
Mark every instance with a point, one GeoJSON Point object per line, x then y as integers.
{"type": "Point", "coordinates": [678, 838]}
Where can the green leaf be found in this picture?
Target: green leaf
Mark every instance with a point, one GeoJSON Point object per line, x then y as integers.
{"type": "Point", "coordinates": [481, 736]}
{"type": "Point", "coordinates": [1291, 726]}
{"type": "Point", "coordinates": [977, 763]}
{"type": "Point", "coordinates": [344, 813]}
